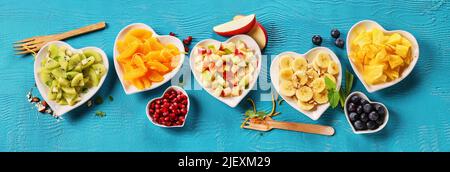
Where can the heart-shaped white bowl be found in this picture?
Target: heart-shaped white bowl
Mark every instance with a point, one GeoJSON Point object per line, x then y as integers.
{"type": "Point", "coordinates": [164, 39]}
{"type": "Point", "coordinates": [372, 24]}
{"type": "Point", "coordinates": [274, 77]}
{"type": "Point", "coordinates": [251, 43]}
{"type": "Point", "coordinates": [362, 95]}
{"type": "Point", "coordinates": [58, 109]}
{"type": "Point", "coordinates": [185, 117]}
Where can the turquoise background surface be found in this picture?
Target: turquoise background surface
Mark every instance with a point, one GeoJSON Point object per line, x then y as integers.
{"type": "Point", "coordinates": [419, 105]}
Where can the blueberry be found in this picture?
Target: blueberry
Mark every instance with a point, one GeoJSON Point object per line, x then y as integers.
{"type": "Point", "coordinates": [317, 40]}
{"type": "Point", "coordinates": [363, 101]}
{"type": "Point", "coordinates": [355, 99]}
{"type": "Point", "coordinates": [359, 125]}
{"type": "Point", "coordinates": [353, 116]}
{"type": "Point", "coordinates": [367, 108]}
{"type": "Point", "coordinates": [364, 117]}
{"type": "Point", "coordinates": [373, 116]}
{"type": "Point", "coordinates": [339, 43]}
{"type": "Point", "coordinates": [380, 109]}
{"type": "Point", "coordinates": [372, 125]}
{"type": "Point", "coordinates": [335, 33]}
{"type": "Point", "coordinates": [351, 107]}
{"type": "Point", "coordinates": [359, 109]}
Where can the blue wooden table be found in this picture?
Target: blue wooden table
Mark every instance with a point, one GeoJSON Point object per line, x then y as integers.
{"type": "Point", "coordinates": [419, 105]}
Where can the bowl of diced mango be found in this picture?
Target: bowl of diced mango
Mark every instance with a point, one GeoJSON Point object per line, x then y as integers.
{"type": "Point", "coordinates": [145, 60]}
{"type": "Point", "coordinates": [380, 58]}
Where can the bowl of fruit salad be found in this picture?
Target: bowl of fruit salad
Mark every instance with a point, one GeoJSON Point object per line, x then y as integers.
{"type": "Point", "coordinates": [68, 77]}
{"type": "Point", "coordinates": [363, 115]}
{"type": "Point", "coordinates": [380, 58]}
{"type": "Point", "coordinates": [170, 110]}
{"type": "Point", "coordinates": [227, 70]}
{"type": "Point", "coordinates": [300, 79]}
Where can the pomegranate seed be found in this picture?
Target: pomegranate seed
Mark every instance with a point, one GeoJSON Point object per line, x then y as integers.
{"type": "Point", "coordinates": [165, 113]}
{"type": "Point", "coordinates": [166, 118]}
{"type": "Point", "coordinates": [186, 42]}
{"type": "Point", "coordinates": [189, 38]}
{"type": "Point", "coordinates": [183, 111]}
{"type": "Point", "coordinates": [181, 118]}
{"type": "Point", "coordinates": [186, 49]}
{"type": "Point", "coordinates": [156, 116]}
{"type": "Point", "coordinates": [152, 111]}
{"type": "Point", "coordinates": [172, 34]}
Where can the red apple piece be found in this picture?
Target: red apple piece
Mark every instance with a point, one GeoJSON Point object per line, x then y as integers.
{"type": "Point", "coordinates": [235, 27]}
{"type": "Point", "coordinates": [258, 33]}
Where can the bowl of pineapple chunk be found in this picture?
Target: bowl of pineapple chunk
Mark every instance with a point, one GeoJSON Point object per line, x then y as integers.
{"type": "Point", "coordinates": [380, 58]}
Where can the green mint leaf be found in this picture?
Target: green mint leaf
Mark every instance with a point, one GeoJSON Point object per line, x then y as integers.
{"type": "Point", "coordinates": [349, 82]}
{"type": "Point", "coordinates": [249, 113]}
{"type": "Point", "coordinates": [261, 114]}
{"type": "Point", "coordinates": [330, 84]}
{"type": "Point", "coordinates": [100, 113]}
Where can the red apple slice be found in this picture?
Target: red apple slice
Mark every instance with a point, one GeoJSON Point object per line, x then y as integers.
{"type": "Point", "coordinates": [235, 27]}
{"type": "Point", "coordinates": [258, 33]}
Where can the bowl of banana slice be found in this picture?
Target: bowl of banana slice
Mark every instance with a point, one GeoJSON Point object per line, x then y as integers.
{"type": "Point", "coordinates": [300, 79]}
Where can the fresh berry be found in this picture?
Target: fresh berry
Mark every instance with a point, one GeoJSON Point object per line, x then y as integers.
{"type": "Point", "coordinates": [359, 109]}
{"type": "Point", "coordinates": [186, 49]}
{"type": "Point", "coordinates": [353, 116]}
{"type": "Point", "coordinates": [172, 34]}
{"type": "Point", "coordinates": [371, 125]}
{"type": "Point", "coordinates": [355, 99]}
{"type": "Point", "coordinates": [186, 42]}
{"type": "Point", "coordinates": [364, 117]}
{"type": "Point", "coordinates": [380, 121]}
{"type": "Point", "coordinates": [351, 107]}
{"type": "Point", "coordinates": [359, 125]}
{"type": "Point", "coordinates": [335, 33]}
{"type": "Point", "coordinates": [189, 38]}
{"type": "Point", "coordinates": [373, 116]}
{"type": "Point", "coordinates": [317, 40]}
{"type": "Point", "coordinates": [339, 43]}
{"type": "Point", "coordinates": [367, 108]}
{"type": "Point", "coordinates": [363, 101]}
{"type": "Point", "coordinates": [380, 110]}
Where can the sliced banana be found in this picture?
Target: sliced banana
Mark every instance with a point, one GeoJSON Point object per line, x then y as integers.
{"type": "Point", "coordinates": [321, 98]}
{"type": "Point", "coordinates": [299, 64]}
{"type": "Point", "coordinates": [286, 74]}
{"type": "Point", "coordinates": [285, 62]}
{"type": "Point", "coordinates": [287, 88]}
{"type": "Point", "coordinates": [304, 94]}
{"type": "Point", "coordinates": [318, 85]}
{"type": "Point", "coordinates": [301, 77]}
{"type": "Point", "coordinates": [333, 68]}
{"type": "Point", "coordinates": [331, 77]}
{"type": "Point", "coordinates": [305, 105]}
{"type": "Point", "coordinates": [322, 59]}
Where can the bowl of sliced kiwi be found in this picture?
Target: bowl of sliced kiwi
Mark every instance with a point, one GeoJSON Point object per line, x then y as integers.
{"type": "Point", "coordinates": [68, 77]}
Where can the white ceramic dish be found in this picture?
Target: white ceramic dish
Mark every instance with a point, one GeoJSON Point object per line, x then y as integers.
{"type": "Point", "coordinates": [414, 50]}
{"type": "Point", "coordinates": [164, 39]}
{"type": "Point", "coordinates": [188, 105]}
{"type": "Point", "coordinates": [59, 110]}
{"type": "Point", "coordinates": [230, 101]}
{"type": "Point", "coordinates": [362, 95]}
{"type": "Point", "coordinates": [274, 76]}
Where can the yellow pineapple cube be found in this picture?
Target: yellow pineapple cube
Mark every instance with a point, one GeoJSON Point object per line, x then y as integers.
{"type": "Point", "coordinates": [377, 36]}
{"type": "Point", "coordinates": [373, 74]}
{"type": "Point", "coordinates": [393, 73]}
{"type": "Point", "coordinates": [401, 50]}
{"type": "Point", "coordinates": [406, 42]}
{"type": "Point", "coordinates": [394, 39]}
{"type": "Point", "coordinates": [395, 61]}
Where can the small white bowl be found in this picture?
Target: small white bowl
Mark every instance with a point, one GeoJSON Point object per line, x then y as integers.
{"type": "Point", "coordinates": [414, 50]}
{"type": "Point", "coordinates": [251, 43]}
{"type": "Point", "coordinates": [58, 109]}
{"type": "Point", "coordinates": [169, 88]}
{"type": "Point", "coordinates": [164, 39]}
{"type": "Point", "coordinates": [362, 95]}
{"type": "Point", "coordinates": [274, 77]}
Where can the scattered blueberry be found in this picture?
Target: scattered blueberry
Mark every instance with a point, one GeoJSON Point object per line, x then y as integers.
{"type": "Point", "coordinates": [373, 116]}
{"type": "Point", "coordinates": [351, 107]}
{"type": "Point", "coordinates": [359, 125]}
{"type": "Point", "coordinates": [367, 108]}
{"type": "Point", "coordinates": [371, 125]}
{"type": "Point", "coordinates": [317, 40]}
{"type": "Point", "coordinates": [359, 109]}
{"type": "Point", "coordinates": [335, 33]}
{"type": "Point", "coordinates": [364, 117]}
{"type": "Point", "coordinates": [339, 43]}
{"type": "Point", "coordinates": [353, 116]}
{"type": "Point", "coordinates": [355, 99]}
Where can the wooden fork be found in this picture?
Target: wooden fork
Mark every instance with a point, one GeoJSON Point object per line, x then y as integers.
{"type": "Point", "coordinates": [268, 124]}
{"type": "Point", "coordinates": [34, 44]}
